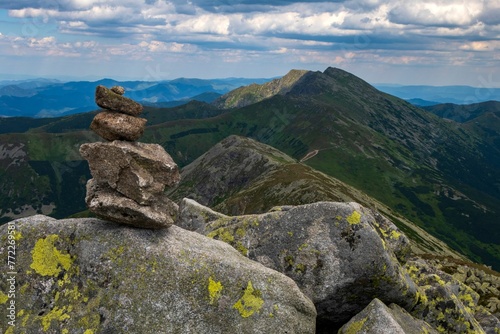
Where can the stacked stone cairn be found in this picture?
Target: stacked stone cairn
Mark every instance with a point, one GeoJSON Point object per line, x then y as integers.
{"type": "Point", "coordinates": [128, 177]}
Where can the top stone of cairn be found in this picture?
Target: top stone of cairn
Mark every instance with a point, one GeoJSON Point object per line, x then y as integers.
{"type": "Point", "coordinates": [110, 99]}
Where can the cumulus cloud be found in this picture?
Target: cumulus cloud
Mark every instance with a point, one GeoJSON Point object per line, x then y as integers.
{"type": "Point", "coordinates": [342, 31]}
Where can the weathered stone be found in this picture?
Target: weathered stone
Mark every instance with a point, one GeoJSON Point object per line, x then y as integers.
{"type": "Point", "coordinates": [87, 275]}
{"type": "Point", "coordinates": [331, 250]}
{"type": "Point", "coordinates": [377, 318]}
{"type": "Point", "coordinates": [443, 302]}
{"type": "Point", "coordinates": [110, 100]}
{"type": "Point", "coordinates": [118, 90]}
{"type": "Point", "coordinates": [114, 126]}
{"type": "Point", "coordinates": [139, 171]}
{"type": "Point", "coordinates": [394, 239]}
{"type": "Point", "coordinates": [489, 323]}
{"type": "Point", "coordinates": [111, 205]}
{"type": "Point", "coordinates": [194, 216]}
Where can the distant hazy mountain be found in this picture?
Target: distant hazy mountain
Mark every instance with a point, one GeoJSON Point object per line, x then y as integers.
{"type": "Point", "coordinates": [49, 98]}
{"type": "Point", "coordinates": [428, 95]}
{"type": "Point", "coordinates": [442, 175]}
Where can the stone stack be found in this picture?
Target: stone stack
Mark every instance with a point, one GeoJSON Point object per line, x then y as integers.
{"type": "Point", "coordinates": [129, 178]}
{"type": "Point", "coordinates": [119, 120]}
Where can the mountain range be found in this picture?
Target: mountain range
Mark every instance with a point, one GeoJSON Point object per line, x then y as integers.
{"type": "Point", "coordinates": [423, 95]}
{"type": "Point", "coordinates": [53, 98]}
{"type": "Point", "coordinates": [334, 137]}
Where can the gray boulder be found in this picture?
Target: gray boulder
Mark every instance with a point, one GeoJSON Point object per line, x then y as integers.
{"type": "Point", "coordinates": [111, 99]}
{"type": "Point", "coordinates": [89, 276]}
{"type": "Point", "coordinates": [115, 126]}
{"type": "Point", "coordinates": [333, 251]}
{"type": "Point", "coordinates": [136, 170]}
{"type": "Point", "coordinates": [377, 318]}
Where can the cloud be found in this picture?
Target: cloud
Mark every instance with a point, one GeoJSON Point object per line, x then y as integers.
{"type": "Point", "coordinates": [436, 12]}
{"type": "Point", "coordinates": [308, 32]}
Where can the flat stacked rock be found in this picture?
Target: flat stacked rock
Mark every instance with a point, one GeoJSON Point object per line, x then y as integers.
{"type": "Point", "coordinates": [119, 121]}
{"type": "Point", "coordinates": [129, 178]}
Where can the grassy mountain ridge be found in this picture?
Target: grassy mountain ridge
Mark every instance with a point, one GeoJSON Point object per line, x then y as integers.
{"type": "Point", "coordinates": [254, 93]}
{"type": "Point", "coordinates": [439, 174]}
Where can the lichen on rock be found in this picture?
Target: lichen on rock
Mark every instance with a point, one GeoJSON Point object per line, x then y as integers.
{"type": "Point", "coordinates": [102, 277]}
{"type": "Point", "coordinates": [47, 259]}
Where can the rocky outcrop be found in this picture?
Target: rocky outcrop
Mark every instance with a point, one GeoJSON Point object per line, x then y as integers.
{"type": "Point", "coordinates": [377, 318]}
{"type": "Point", "coordinates": [337, 253]}
{"type": "Point", "coordinates": [447, 304]}
{"type": "Point", "coordinates": [91, 276]}
{"type": "Point", "coordinates": [129, 178]}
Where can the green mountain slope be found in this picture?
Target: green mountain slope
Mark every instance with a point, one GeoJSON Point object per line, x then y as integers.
{"type": "Point", "coordinates": [463, 113]}
{"type": "Point", "coordinates": [441, 175]}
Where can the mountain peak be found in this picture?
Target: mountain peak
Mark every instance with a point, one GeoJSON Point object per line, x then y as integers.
{"type": "Point", "coordinates": [253, 93]}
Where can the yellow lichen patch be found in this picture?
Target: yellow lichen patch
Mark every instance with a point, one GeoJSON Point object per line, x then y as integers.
{"type": "Point", "coordinates": [354, 218]}
{"type": "Point", "coordinates": [240, 232]}
{"type": "Point", "coordinates": [63, 281]}
{"type": "Point", "coordinates": [90, 322]}
{"type": "Point", "coordinates": [467, 300]}
{"type": "Point", "coordinates": [3, 298]}
{"type": "Point", "coordinates": [355, 327]}
{"type": "Point", "coordinates": [47, 259]}
{"type": "Point", "coordinates": [10, 330]}
{"type": "Point", "coordinates": [241, 248]}
{"type": "Point", "coordinates": [300, 268]}
{"type": "Point", "coordinates": [421, 297]}
{"type": "Point", "coordinates": [57, 314]}
{"type": "Point", "coordinates": [17, 235]}
{"type": "Point", "coordinates": [88, 331]}
{"type": "Point", "coordinates": [302, 247]}
{"type": "Point", "coordinates": [214, 290]}
{"type": "Point", "coordinates": [441, 329]}
{"type": "Point", "coordinates": [23, 288]}
{"type": "Point", "coordinates": [394, 235]}
{"type": "Point", "coordinates": [222, 234]}
{"type": "Point", "coordinates": [73, 294]}
{"type": "Point", "coordinates": [250, 302]}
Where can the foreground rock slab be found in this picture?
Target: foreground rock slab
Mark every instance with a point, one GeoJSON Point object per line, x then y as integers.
{"type": "Point", "coordinates": [337, 253]}
{"type": "Point", "coordinates": [86, 274]}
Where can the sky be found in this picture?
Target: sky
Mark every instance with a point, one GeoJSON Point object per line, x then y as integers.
{"type": "Point", "coordinates": [433, 42]}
